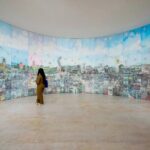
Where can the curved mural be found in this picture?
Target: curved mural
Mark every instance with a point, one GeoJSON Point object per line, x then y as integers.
{"type": "Point", "coordinates": [115, 65]}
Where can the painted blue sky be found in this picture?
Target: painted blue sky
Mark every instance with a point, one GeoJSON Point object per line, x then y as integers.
{"type": "Point", "coordinates": [129, 48]}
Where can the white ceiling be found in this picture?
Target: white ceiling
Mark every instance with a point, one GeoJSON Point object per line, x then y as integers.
{"type": "Point", "coordinates": [76, 18]}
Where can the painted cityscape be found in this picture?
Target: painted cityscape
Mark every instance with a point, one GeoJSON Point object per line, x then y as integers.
{"type": "Point", "coordinates": [117, 65]}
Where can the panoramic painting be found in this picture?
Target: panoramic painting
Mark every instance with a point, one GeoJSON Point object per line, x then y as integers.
{"type": "Point", "coordinates": [117, 65]}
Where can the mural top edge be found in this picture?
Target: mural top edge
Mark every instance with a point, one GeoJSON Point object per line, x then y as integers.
{"type": "Point", "coordinates": [78, 38]}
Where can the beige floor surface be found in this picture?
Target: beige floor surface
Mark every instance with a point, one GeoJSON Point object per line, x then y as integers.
{"type": "Point", "coordinates": [75, 122]}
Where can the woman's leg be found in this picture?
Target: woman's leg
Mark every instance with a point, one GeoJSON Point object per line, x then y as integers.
{"type": "Point", "coordinates": [38, 95]}
{"type": "Point", "coordinates": [41, 100]}
{"type": "Point", "coordinates": [41, 96]}
{"type": "Point", "coordinates": [38, 98]}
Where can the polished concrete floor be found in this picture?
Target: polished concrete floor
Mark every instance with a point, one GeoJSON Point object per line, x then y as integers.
{"type": "Point", "coordinates": [75, 122]}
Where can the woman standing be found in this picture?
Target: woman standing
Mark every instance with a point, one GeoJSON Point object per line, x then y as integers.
{"type": "Point", "coordinates": [40, 85]}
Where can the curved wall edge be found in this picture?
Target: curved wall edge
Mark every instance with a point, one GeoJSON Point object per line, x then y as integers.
{"type": "Point", "coordinates": [114, 65]}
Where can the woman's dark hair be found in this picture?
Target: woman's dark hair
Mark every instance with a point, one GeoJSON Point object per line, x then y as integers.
{"type": "Point", "coordinates": [41, 71]}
